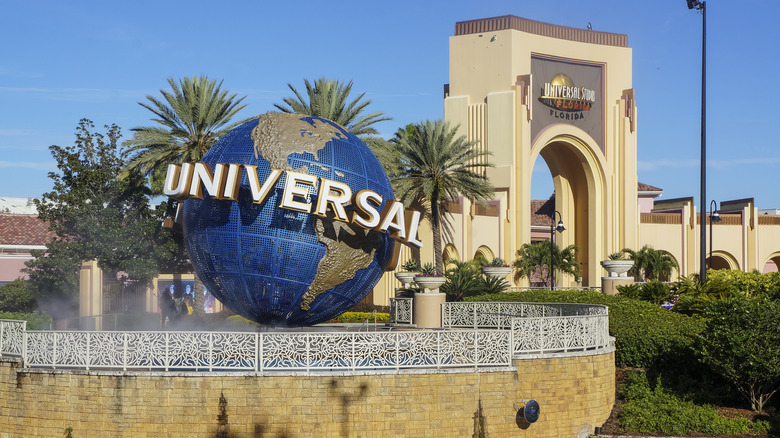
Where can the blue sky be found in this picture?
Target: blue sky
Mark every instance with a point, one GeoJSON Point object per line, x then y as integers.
{"type": "Point", "coordinates": [63, 61]}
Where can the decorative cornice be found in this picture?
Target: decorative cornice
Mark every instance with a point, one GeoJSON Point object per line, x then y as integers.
{"type": "Point", "coordinates": [505, 22]}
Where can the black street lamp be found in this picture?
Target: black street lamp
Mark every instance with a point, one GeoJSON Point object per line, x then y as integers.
{"type": "Point", "coordinates": [554, 228]}
{"type": "Point", "coordinates": [700, 5]}
{"type": "Point", "coordinates": [714, 217]}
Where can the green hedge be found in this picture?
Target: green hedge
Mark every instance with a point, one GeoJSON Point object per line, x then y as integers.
{"type": "Point", "coordinates": [35, 321]}
{"type": "Point", "coordinates": [645, 334]}
{"type": "Point", "coordinates": [354, 317]}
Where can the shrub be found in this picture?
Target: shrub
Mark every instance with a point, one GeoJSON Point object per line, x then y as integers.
{"type": "Point", "coordinates": [411, 265]}
{"type": "Point", "coordinates": [463, 280]}
{"type": "Point", "coordinates": [694, 296]}
{"type": "Point", "coordinates": [428, 270]}
{"type": "Point", "coordinates": [16, 296]}
{"type": "Point", "coordinates": [655, 292]}
{"type": "Point", "coordinates": [742, 343]}
{"type": "Point", "coordinates": [650, 407]}
{"type": "Point", "coordinates": [749, 284]}
{"type": "Point", "coordinates": [358, 317]}
{"type": "Point", "coordinates": [630, 290]}
{"type": "Point", "coordinates": [35, 320]}
{"type": "Point", "coordinates": [645, 334]}
{"type": "Point", "coordinates": [497, 262]}
{"type": "Point", "coordinates": [492, 285]}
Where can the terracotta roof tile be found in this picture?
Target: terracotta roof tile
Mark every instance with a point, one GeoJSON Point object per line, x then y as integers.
{"type": "Point", "coordinates": [22, 229]}
{"type": "Point", "coordinates": [541, 211]}
{"type": "Point", "coordinates": [642, 187]}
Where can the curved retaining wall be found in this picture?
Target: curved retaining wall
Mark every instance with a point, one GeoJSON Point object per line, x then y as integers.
{"type": "Point", "coordinates": [576, 394]}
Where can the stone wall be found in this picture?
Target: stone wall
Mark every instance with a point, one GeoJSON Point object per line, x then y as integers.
{"type": "Point", "coordinates": [575, 394]}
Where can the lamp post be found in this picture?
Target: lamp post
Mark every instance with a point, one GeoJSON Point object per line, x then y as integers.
{"type": "Point", "coordinates": [554, 228]}
{"type": "Point", "coordinates": [701, 5]}
{"type": "Point", "coordinates": [714, 217]}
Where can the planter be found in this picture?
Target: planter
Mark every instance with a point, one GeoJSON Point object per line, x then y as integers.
{"type": "Point", "coordinates": [496, 271]}
{"type": "Point", "coordinates": [617, 268]}
{"type": "Point", "coordinates": [406, 278]}
{"type": "Point", "coordinates": [429, 284]}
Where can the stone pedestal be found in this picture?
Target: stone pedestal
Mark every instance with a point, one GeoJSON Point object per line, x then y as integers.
{"type": "Point", "coordinates": [609, 284]}
{"type": "Point", "coordinates": [427, 309]}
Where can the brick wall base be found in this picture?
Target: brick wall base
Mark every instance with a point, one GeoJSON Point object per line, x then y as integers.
{"type": "Point", "coordinates": [575, 394]}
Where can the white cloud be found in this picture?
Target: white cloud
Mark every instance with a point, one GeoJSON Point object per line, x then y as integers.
{"type": "Point", "coordinates": [44, 165]}
{"type": "Point", "coordinates": [77, 93]}
{"type": "Point", "coordinates": [658, 165]}
{"type": "Point", "coordinates": [648, 166]}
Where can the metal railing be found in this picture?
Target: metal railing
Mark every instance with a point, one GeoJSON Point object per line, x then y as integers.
{"type": "Point", "coordinates": [500, 314]}
{"type": "Point", "coordinates": [531, 288]}
{"type": "Point", "coordinates": [265, 352]}
{"type": "Point", "coordinates": [401, 310]}
{"type": "Point", "coordinates": [12, 341]}
{"type": "Point", "coordinates": [497, 333]}
{"type": "Point", "coordinates": [537, 328]}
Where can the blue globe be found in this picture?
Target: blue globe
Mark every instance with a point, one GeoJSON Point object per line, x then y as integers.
{"type": "Point", "coordinates": [278, 266]}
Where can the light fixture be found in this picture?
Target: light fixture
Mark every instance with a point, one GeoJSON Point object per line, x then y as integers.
{"type": "Point", "coordinates": [559, 228]}
{"type": "Point", "coordinates": [526, 414]}
{"type": "Point", "coordinates": [695, 4]}
{"type": "Point", "coordinates": [714, 218]}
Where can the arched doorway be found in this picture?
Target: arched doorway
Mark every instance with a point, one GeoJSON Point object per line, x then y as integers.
{"type": "Point", "coordinates": [576, 166]}
{"type": "Point", "coordinates": [722, 260]}
{"type": "Point", "coordinates": [450, 253]}
{"type": "Point", "coordinates": [772, 263]}
{"type": "Point", "coordinates": [485, 253]}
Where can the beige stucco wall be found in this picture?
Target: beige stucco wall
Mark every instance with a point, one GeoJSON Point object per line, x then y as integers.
{"type": "Point", "coordinates": [595, 190]}
{"type": "Point", "coordinates": [575, 394]}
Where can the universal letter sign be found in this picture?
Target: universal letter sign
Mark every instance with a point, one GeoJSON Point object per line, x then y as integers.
{"type": "Point", "coordinates": [189, 180]}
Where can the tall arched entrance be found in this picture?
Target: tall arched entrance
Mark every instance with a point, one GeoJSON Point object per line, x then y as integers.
{"type": "Point", "coordinates": [524, 90]}
{"type": "Point", "coordinates": [578, 179]}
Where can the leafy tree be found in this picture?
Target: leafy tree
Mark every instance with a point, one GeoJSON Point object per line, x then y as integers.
{"type": "Point", "coordinates": [191, 119]}
{"type": "Point", "coordinates": [651, 264]}
{"type": "Point", "coordinates": [17, 296]}
{"type": "Point", "coordinates": [94, 215]}
{"type": "Point", "coordinates": [535, 258]}
{"type": "Point", "coordinates": [434, 165]}
{"type": "Point", "coordinates": [741, 341]}
{"type": "Point", "coordinates": [330, 100]}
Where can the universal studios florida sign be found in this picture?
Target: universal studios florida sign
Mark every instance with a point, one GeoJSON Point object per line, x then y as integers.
{"type": "Point", "coordinates": [334, 199]}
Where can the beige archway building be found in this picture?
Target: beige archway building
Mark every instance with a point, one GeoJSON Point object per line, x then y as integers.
{"type": "Point", "coordinates": [527, 90]}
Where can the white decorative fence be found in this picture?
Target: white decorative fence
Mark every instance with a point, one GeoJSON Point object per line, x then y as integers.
{"type": "Point", "coordinates": [12, 337]}
{"type": "Point", "coordinates": [290, 351]}
{"type": "Point", "coordinates": [401, 310]}
{"type": "Point", "coordinates": [497, 333]}
{"type": "Point", "coordinates": [500, 315]}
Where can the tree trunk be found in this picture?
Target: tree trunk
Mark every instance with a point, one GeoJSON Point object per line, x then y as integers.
{"type": "Point", "coordinates": [436, 228]}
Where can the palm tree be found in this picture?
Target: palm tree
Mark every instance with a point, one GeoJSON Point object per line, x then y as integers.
{"type": "Point", "coordinates": [463, 280]}
{"type": "Point", "coordinates": [651, 264]}
{"type": "Point", "coordinates": [191, 118]}
{"type": "Point", "coordinates": [329, 99]}
{"type": "Point", "coordinates": [435, 165]}
{"type": "Point", "coordinates": [535, 258]}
